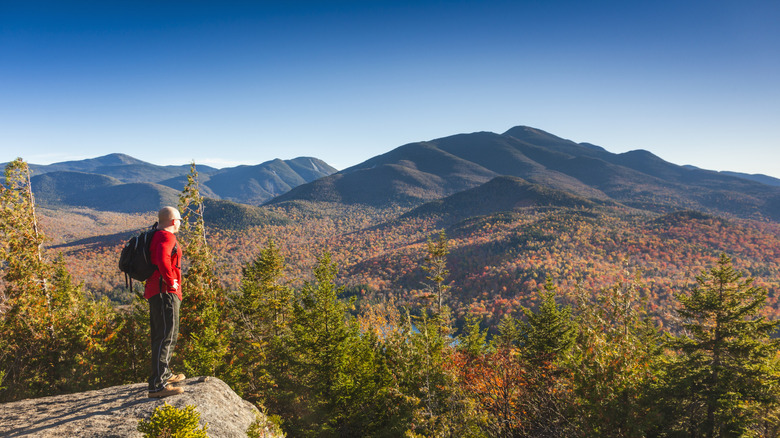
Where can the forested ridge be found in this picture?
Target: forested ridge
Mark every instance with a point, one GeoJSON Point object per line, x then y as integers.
{"type": "Point", "coordinates": [497, 261]}
{"type": "Point", "coordinates": [356, 321]}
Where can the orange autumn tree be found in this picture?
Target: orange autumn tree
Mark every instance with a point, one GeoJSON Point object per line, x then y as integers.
{"type": "Point", "coordinates": [517, 383]}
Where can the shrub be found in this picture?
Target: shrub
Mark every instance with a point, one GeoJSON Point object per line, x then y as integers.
{"type": "Point", "coordinates": [265, 425]}
{"type": "Point", "coordinates": [170, 422]}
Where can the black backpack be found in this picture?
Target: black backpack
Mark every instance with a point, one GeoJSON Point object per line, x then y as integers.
{"type": "Point", "coordinates": [135, 260]}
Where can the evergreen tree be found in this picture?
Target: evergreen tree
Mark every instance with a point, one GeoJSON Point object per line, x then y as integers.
{"type": "Point", "coordinates": [549, 331]}
{"type": "Point", "coordinates": [431, 378]}
{"type": "Point", "coordinates": [436, 267]}
{"type": "Point", "coordinates": [261, 311]}
{"type": "Point", "coordinates": [335, 382]}
{"type": "Point", "coordinates": [519, 387]}
{"type": "Point", "coordinates": [265, 300]}
{"type": "Point", "coordinates": [473, 340]}
{"type": "Point", "coordinates": [428, 377]}
{"type": "Point", "coordinates": [129, 342]}
{"type": "Point", "coordinates": [204, 330]}
{"type": "Point", "coordinates": [509, 334]}
{"type": "Point", "coordinates": [723, 376]}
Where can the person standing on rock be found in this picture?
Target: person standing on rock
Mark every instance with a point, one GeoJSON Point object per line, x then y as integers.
{"type": "Point", "coordinates": [163, 292]}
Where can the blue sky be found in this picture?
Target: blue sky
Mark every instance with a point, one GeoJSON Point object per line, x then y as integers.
{"type": "Point", "coordinates": [230, 82]}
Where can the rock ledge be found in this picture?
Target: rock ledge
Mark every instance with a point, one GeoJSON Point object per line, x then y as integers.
{"type": "Point", "coordinates": [115, 411]}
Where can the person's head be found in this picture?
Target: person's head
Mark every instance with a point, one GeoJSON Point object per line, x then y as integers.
{"type": "Point", "coordinates": [169, 219]}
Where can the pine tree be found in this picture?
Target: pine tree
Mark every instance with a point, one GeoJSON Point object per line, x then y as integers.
{"type": "Point", "coordinates": [264, 303]}
{"type": "Point", "coordinates": [723, 376]}
{"type": "Point", "coordinates": [436, 267]}
{"type": "Point", "coordinates": [204, 330]}
{"type": "Point", "coordinates": [519, 386]}
{"type": "Point", "coordinates": [473, 340]}
{"type": "Point", "coordinates": [261, 311]}
{"type": "Point", "coordinates": [509, 334]}
{"type": "Point", "coordinates": [549, 331]}
{"type": "Point", "coordinates": [429, 377]}
{"type": "Point", "coordinates": [317, 350]}
{"type": "Point", "coordinates": [335, 380]}
{"type": "Point", "coordinates": [129, 346]}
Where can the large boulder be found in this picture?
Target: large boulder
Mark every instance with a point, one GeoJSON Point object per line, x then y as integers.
{"type": "Point", "coordinates": [116, 411]}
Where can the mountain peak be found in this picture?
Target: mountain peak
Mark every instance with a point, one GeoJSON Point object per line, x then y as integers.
{"type": "Point", "coordinates": [115, 159]}
{"type": "Point", "coordinates": [534, 135]}
{"type": "Point", "coordinates": [118, 158]}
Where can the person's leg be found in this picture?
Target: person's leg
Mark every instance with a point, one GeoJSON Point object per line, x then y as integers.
{"type": "Point", "coordinates": [164, 321]}
{"type": "Point", "coordinates": [157, 326]}
{"type": "Point", "coordinates": [172, 305]}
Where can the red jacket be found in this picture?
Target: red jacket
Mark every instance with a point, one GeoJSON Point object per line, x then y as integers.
{"type": "Point", "coordinates": [168, 264]}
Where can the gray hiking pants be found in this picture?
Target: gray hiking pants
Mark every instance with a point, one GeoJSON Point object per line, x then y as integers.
{"type": "Point", "coordinates": [164, 322]}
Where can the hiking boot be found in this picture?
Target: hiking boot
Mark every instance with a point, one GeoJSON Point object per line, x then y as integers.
{"type": "Point", "coordinates": [175, 378]}
{"type": "Point", "coordinates": [165, 392]}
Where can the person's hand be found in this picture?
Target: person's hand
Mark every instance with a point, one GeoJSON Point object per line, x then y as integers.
{"type": "Point", "coordinates": [175, 285]}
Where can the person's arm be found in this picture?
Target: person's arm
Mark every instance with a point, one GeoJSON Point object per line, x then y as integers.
{"type": "Point", "coordinates": [165, 266]}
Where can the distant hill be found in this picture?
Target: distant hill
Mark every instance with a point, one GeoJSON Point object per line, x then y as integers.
{"type": "Point", "coordinates": [257, 184]}
{"type": "Point", "coordinates": [501, 194]}
{"type": "Point", "coordinates": [763, 179]}
{"type": "Point", "coordinates": [61, 188]}
{"type": "Point", "coordinates": [120, 166]}
{"type": "Point", "coordinates": [122, 183]}
{"type": "Point", "coordinates": [416, 173]}
{"type": "Point", "coordinates": [230, 215]}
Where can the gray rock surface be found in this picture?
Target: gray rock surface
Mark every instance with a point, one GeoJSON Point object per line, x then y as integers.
{"type": "Point", "coordinates": [115, 411]}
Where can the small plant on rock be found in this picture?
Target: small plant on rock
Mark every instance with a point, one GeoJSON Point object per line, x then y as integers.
{"type": "Point", "coordinates": [265, 426]}
{"type": "Point", "coordinates": [170, 422]}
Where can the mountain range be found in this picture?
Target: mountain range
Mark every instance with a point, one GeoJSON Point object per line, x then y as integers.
{"type": "Point", "coordinates": [121, 183]}
{"type": "Point", "coordinates": [494, 171]}
{"type": "Point", "coordinates": [422, 172]}
{"type": "Point", "coordinates": [517, 206]}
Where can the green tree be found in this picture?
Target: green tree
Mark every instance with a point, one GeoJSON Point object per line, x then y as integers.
{"type": "Point", "coordinates": [723, 376]}
{"type": "Point", "coordinates": [425, 367]}
{"type": "Point", "coordinates": [473, 341]}
{"type": "Point", "coordinates": [509, 334]}
{"type": "Point", "coordinates": [520, 387]}
{"type": "Point", "coordinates": [128, 342]}
{"type": "Point", "coordinates": [265, 299]}
{"type": "Point", "coordinates": [334, 382]}
{"type": "Point", "coordinates": [614, 360]}
{"type": "Point", "coordinates": [261, 311]}
{"type": "Point", "coordinates": [436, 267]}
{"type": "Point", "coordinates": [549, 332]}
{"type": "Point", "coordinates": [204, 329]}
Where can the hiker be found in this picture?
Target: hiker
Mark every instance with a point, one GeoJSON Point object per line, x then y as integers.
{"type": "Point", "coordinates": [163, 291]}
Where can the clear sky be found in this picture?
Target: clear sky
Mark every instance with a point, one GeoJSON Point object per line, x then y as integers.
{"type": "Point", "coordinates": [242, 82]}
